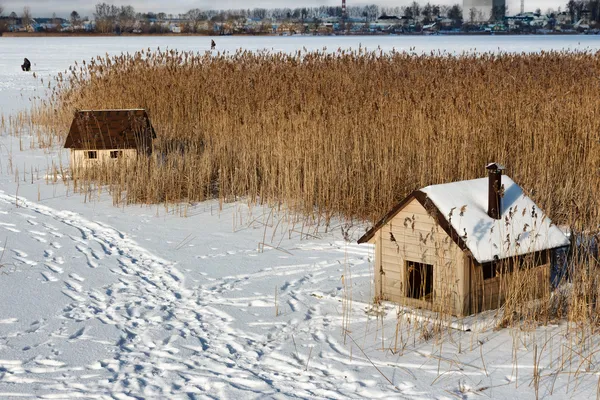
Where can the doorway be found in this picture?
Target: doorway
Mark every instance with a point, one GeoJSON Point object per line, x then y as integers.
{"type": "Point", "coordinates": [419, 282]}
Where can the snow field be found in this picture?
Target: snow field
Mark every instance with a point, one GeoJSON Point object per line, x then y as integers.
{"type": "Point", "coordinates": [100, 302]}
{"type": "Point", "coordinates": [148, 332]}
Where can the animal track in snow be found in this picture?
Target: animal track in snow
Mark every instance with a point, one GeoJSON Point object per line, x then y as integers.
{"type": "Point", "coordinates": [89, 255]}
{"type": "Point", "coordinates": [19, 253]}
{"type": "Point", "coordinates": [76, 277]}
{"type": "Point", "coordinates": [54, 268]}
{"type": "Point", "coordinates": [158, 317]}
{"type": "Point", "coordinates": [49, 277]}
{"type": "Point", "coordinates": [9, 227]}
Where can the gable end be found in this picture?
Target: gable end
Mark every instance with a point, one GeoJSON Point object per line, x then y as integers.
{"type": "Point", "coordinates": [431, 209]}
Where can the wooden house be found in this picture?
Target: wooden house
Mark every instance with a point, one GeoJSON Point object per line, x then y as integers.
{"type": "Point", "coordinates": [453, 246]}
{"type": "Point", "coordinates": [103, 136]}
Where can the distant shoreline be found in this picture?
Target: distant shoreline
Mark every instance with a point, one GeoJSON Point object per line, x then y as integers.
{"type": "Point", "coordinates": [96, 34]}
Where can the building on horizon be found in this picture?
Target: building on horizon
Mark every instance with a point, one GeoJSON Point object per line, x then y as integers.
{"type": "Point", "coordinates": [483, 10]}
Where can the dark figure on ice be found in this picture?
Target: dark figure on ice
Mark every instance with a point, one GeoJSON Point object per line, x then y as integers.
{"type": "Point", "coordinates": [26, 66]}
{"type": "Point", "coordinates": [212, 45]}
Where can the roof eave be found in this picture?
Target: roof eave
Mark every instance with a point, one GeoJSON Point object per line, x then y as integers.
{"type": "Point", "coordinates": [524, 254]}
{"type": "Point", "coordinates": [429, 206]}
{"type": "Point", "coordinates": [391, 214]}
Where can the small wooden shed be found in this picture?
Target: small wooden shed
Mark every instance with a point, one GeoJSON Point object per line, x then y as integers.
{"type": "Point", "coordinates": [103, 136]}
{"type": "Point", "coordinates": [453, 245]}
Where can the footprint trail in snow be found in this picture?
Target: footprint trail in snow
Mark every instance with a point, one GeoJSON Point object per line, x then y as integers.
{"type": "Point", "coordinates": [175, 341]}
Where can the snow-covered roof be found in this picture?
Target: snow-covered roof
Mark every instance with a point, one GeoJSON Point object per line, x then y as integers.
{"type": "Point", "coordinates": [523, 227]}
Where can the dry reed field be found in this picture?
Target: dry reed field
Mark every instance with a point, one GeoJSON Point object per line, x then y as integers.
{"type": "Point", "coordinates": [349, 134]}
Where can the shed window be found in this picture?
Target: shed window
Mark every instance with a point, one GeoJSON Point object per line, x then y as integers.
{"type": "Point", "coordinates": [91, 154]}
{"type": "Point", "coordinates": [116, 154]}
{"type": "Point", "coordinates": [502, 267]}
{"type": "Point", "coordinates": [490, 270]}
{"type": "Point", "coordinates": [419, 280]}
{"type": "Point", "coordinates": [509, 265]}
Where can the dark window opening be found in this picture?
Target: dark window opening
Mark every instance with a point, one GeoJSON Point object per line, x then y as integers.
{"type": "Point", "coordinates": [489, 270]}
{"type": "Point", "coordinates": [91, 154]}
{"type": "Point", "coordinates": [508, 265]}
{"type": "Point", "coordinates": [541, 258]}
{"type": "Point", "coordinates": [116, 154]}
{"type": "Point", "coordinates": [419, 280]}
{"type": "Point", "coordinates": [533, 260]}
{"type": "Point", "coordinates": [493, 269]}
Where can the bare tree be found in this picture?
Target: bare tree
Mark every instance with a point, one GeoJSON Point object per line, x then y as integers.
{"type": "Point", "coordinates": [3, 23]}
{"type": "Point", "coordinates": [26, 17]}
{"type": "Point", "coordinates": [195, 17]}
{"type": "Point", "coordinates": [455, 13]}
{"type": "Point", "coordinates": [427, 12]}
{"type": "Point", "coordinates": [259, 13]}
{"type": "Point", "coordinates": [472, 14]}
{"type": "Point", "coordinates": [126, 17]}
{"type": "Point", "coordinates": [106, 17]}
{"type": "Point", "coordinates": [74, 18]}
{"type": "Point", "coordinates": [416, 9]}
{"type": "Point", "coordinates": [498, 13]}
{"type": "Point", "coordinates": [572, 8]}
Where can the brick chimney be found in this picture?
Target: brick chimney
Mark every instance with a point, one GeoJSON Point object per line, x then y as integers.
{"type": "Point", "coordinates": [494, 190]}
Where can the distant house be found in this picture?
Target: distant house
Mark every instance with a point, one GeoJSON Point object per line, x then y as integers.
{"type": "Point", "coordinates": [446, 22]}
{"type": "Point", "coordinates": [388, 20]}
{"type": "Point", "coordinates": [102, 136]}
{"type": "Point", "coordinates": [563, 18]}
{"type": "Point", "coordinates": [407, 21]}
{"type": "Point", "coordinates": [452, 246]}
{"type": "Point", "coordinates": [433, 27]}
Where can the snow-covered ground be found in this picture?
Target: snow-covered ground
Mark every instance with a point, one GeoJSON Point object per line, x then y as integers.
{"type": "Point", "coordinates": [139, 302]}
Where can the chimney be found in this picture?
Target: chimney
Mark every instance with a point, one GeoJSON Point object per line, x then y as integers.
{"type": "Point", "coordinates": [494, 190]}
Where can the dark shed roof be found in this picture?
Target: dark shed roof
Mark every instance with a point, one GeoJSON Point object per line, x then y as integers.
{"type": "Point", "coordinates": [110, 129]}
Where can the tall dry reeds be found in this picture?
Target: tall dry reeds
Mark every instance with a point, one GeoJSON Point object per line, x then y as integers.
{"type": "Point", "coordinates": [348, 133]}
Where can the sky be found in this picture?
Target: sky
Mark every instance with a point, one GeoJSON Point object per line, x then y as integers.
{"type": "Point", "coordinates": [40, 8]}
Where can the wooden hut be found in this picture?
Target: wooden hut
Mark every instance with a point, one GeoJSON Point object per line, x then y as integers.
{"type": "Point", "coordinates": [454, 246]}
{"type": "Point", "coordinates": [103, 136]}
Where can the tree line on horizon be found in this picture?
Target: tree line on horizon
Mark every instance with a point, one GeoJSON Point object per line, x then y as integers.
{"type": "Point", "coordinates": [109, 16]}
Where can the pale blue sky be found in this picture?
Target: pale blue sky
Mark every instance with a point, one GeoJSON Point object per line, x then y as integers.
{"type": "Point", "coordinates": [86, 7]}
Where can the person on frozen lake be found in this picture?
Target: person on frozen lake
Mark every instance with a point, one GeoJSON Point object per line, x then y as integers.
{"type": "Point", "coordinates": [212, 45]}
{"type": "Point", "coordinates": [26, 65]}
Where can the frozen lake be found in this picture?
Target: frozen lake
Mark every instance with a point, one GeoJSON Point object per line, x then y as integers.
{"type": "Point", "coordinates": [104, 302]}
{"type": "Point", "coordinates": [53, 54]}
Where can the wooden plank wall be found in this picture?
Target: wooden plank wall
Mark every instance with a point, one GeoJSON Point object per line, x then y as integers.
{"type": "Point", "coordinates": [413, 235]}
{"type": "Point", "coordinates": [491, 293]}
{"type": "Point", "coordinates": [79, 161]}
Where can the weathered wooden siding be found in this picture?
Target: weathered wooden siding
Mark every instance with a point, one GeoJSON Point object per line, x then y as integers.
{"type": "Point", "coordinates": [413, 235]}
{"type": "Point", "coordinates": [490, 294]}
{"type": "Point", "coordinates": [79, 160]}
